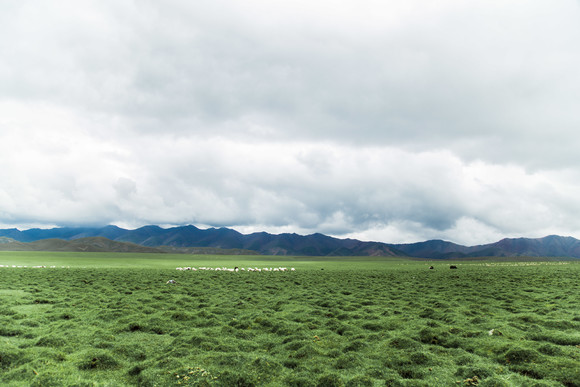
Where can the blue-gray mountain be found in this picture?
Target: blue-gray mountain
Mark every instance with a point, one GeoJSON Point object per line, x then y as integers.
{"type": "Point", "coordinates": [305, 245]}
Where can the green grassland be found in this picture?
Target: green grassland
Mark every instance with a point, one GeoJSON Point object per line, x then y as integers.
{"type": "Point", "coordinates": [99, 319]}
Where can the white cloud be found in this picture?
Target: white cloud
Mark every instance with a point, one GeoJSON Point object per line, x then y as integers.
{"type": "Point", "coordinates": [392, 121]}
{"type": "Point", "coordinates": [340, 190]}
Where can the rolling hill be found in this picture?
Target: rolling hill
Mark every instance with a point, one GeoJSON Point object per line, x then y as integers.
{"type": "Point", "coordinates": [101, 244]}
{"type": "Point", "coordinates": [92, 244]}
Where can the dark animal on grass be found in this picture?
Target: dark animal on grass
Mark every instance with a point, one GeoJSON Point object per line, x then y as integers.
{"type": "Point", "coordinates": [431, 267]}
{"type": "Point", "coordinates": [453, 267]}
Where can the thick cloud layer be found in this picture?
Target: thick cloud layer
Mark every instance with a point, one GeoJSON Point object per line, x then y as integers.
{"type": "Point", "coordinates": [396, 121]}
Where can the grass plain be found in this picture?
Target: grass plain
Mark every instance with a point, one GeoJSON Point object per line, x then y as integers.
{"type": "Point", "coordinates": [100, 319]}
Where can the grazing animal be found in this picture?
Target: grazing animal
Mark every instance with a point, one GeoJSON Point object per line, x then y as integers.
{"type": "Point", "coordinates": [431, 267]}
{"type": "Point", "coordinates": [171, 282]}
{"type": "Point", "coordinates": [453, 267]}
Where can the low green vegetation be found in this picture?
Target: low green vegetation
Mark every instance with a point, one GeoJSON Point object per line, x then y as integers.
{"type": "Point", "coordinates": [112, 319]}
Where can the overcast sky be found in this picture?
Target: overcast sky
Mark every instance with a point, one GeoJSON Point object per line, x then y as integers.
{"type": "Point", "coordinates": [393, 121]}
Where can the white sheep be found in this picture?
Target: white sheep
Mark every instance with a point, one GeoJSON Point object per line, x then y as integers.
{"type": "Point", "coordinates": [235, 269]}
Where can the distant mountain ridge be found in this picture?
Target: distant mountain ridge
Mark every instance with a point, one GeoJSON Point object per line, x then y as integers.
{"type": "Point", "coordinates": [549, 246]}
{"type": "Point", "coordinates": [180, 239]}
{"type": "Point", "coordinates": [222, 238]}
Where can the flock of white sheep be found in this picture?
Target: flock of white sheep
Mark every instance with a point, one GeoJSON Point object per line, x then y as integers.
{"type": "Point", "coordinates": [237, 269]}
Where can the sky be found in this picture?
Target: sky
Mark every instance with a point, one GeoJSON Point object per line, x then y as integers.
{"type": "Point", "coordinates": [391, 121]}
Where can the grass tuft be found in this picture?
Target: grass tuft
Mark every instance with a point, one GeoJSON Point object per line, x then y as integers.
{"type": "Point", "coordinates": [97, 360]}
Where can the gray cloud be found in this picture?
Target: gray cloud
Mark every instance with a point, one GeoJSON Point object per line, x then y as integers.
{"type": "Point", "coordinates": [394, 122]}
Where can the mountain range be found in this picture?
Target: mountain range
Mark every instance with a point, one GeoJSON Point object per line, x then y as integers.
{"type": "Point", "coordinates": [192, 240]}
